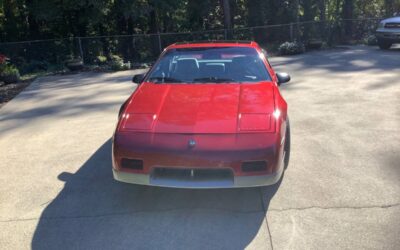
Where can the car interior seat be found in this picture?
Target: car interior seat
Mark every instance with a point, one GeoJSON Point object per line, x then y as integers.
{"type": "Point", "coordinates": [241, 68]}
{"type": "Point", "coordinates": [186, 69]}
{"type": "Point", "coordinates": [216, 70]}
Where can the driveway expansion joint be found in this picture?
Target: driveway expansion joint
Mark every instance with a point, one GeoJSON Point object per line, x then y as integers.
{"type": "Point", "coordinates": [266, 220]}
{"type": "Point", "coordinates": [132, 213]}
{"type": "Point", "coordinates": [263, 210]}
{"type": "Point", "coordinates": [335, 207]}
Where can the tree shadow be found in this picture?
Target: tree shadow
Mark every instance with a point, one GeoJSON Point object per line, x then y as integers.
{"type": "Point", "coordinates": [338, 60]}
{"type": "Point", "coordinates": [63, 97]}
{"type": "Point", "coordinates": [94, 212]}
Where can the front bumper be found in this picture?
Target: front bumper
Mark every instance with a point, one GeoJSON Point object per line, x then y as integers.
{"type": "Point", "coordinates": [215, 162]}
{"type": "Point", "coordinates": [392, 36]}
{"type": "Point", "coordinates": [236, 182]}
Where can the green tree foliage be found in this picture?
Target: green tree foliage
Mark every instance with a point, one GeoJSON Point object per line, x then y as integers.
{"type": "Point", "coordinates": [41, 19]}
{"type": "Point", "coordinates": [25, 20]}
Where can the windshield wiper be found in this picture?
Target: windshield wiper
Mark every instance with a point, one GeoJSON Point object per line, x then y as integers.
{"type": "Point", "coordinates": [213, 79]}
{"type": "Point", "coordinates": [161, 79]}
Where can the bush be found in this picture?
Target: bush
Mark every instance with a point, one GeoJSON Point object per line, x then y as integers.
{"type": "Point", "coordinates": [101, 60]}
{"type": "Point", "coordinates": [3, 59]}
{"type": "Point", "coordinates": [74, 64]}
{"type": "Point", "coordinates": [146, 55]}
{"type": "Point", "coordinates": [18, 61]}
{"type": "Point", "coordinates": [10, 74]}
{"type": "Point", "coordinates": [116, 58]}
{"type": "Point", "coordinates": [34, 66]}
{"type": "Point", "coordinates": [291, 48]}
{"type": "Point", "coordinates": [117, 64]}
{"type": "Point", "coordinates": [3, 62]}
{"type": "Point", "coordinates": [371, 40]}
{"type": "Point", "coordinates": [314, 44]}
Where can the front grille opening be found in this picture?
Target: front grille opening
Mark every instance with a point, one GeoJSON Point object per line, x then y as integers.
{"type": "Point", "coordinates": [192, 177]}
{"type": "Point", "coordinates": [254, 166]}
{"type": "Point", "coordinates": [132, 164]}
{"type": "Point", "coordinates": [392, 25]}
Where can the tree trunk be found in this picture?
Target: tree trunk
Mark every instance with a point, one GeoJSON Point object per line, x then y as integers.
{"type": "Point", "coordinates": [322, 17]}
{"type": "Point", "coordinates": [297, 14]}
{"type": "Point", "coordinates": [389, 7]}
{"type": "Point", "coordinates": [322, 10]}
{"type": "Point", "coordinates": [308, 16]}
{"type": "Point", "coordinates": [227, 18]}
{"type": "Point", "coordinates": [348, 9]}
{"type": "Point", "coordinates": [33, 26]}
{"type": "Point", "coordinates": [10, 24]}
{"type": "Point", "coordinates": [336, 33]}
{"type": "Point", "coordinates": [256, 17]}
{"type": "Point", "coordinates": [154, 29]}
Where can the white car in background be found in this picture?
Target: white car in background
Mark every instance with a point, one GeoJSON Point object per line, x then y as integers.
{"type": "Point", "coordinates": [388, 32]}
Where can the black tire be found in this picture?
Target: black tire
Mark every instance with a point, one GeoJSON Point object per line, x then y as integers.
{"type": "Point", "coordinates": [287, 145]}
{"type": "Point", "coordinates": [384, 44]}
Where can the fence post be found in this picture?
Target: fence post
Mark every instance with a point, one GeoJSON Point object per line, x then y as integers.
{"type": "Point", "coordinates": [159, 41]}
{"type": "Point", "coordinates": [80, 48]}
{"type": "Point", "coordinates": [291, 32]}
{"type": "Point", "coordinates": [133, 48]}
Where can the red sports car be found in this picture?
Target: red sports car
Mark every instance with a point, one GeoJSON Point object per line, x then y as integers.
{"type": "Point", "coordinates": [206, 115]}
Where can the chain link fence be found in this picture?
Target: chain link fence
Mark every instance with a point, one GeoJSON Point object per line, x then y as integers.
{"type": "Point", "coordinates": [146, 47]}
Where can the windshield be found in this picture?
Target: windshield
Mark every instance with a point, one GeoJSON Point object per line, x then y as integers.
{"type": "Point", "coordinates": [209, 65]}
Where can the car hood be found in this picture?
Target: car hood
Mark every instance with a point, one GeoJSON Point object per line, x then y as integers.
{"type": "Point", "coordinates": [392, 20]}
{"type": "Point", "coordinates": [200, 108]}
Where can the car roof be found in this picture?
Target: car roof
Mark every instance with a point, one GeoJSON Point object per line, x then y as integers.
{"type": "Point", "coordinates": [219, 43]}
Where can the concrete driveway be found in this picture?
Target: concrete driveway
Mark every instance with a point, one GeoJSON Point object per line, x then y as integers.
{"type": "Point", "coordinates": [341, 190]}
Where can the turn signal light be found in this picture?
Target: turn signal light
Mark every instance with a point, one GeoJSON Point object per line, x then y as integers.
{"type": "Point", "coordinates": [254, 166]}
{"type": "Point", "coordinates": [132, 164]}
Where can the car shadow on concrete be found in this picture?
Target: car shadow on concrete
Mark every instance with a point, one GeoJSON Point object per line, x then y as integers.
{"type": "Point", "coordinates": [95, 212]}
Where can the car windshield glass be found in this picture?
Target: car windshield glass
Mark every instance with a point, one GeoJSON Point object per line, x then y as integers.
{"type": "Point", "coordinates": [210, 65]}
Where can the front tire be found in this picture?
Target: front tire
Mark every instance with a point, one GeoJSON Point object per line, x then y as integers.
{"type": "Point", "coordinates": [287, 145]}
{"type": "Point", "coordinates": [384, 44]}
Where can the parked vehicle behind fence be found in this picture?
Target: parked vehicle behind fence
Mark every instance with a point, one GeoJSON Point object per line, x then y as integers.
{"type": "Point", "coordinates": [388, 32]}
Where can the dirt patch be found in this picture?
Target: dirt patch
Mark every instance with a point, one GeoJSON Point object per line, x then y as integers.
{"type": "Point", "coordinates": [9, 91]}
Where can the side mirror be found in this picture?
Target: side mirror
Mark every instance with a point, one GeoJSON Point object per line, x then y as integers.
{"type": "Point", "coordinates": [65, 176]}
{"type": "Point", "coordinates": [282, 78]}
{"type": "Point", "coordinates": [138, 78]}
